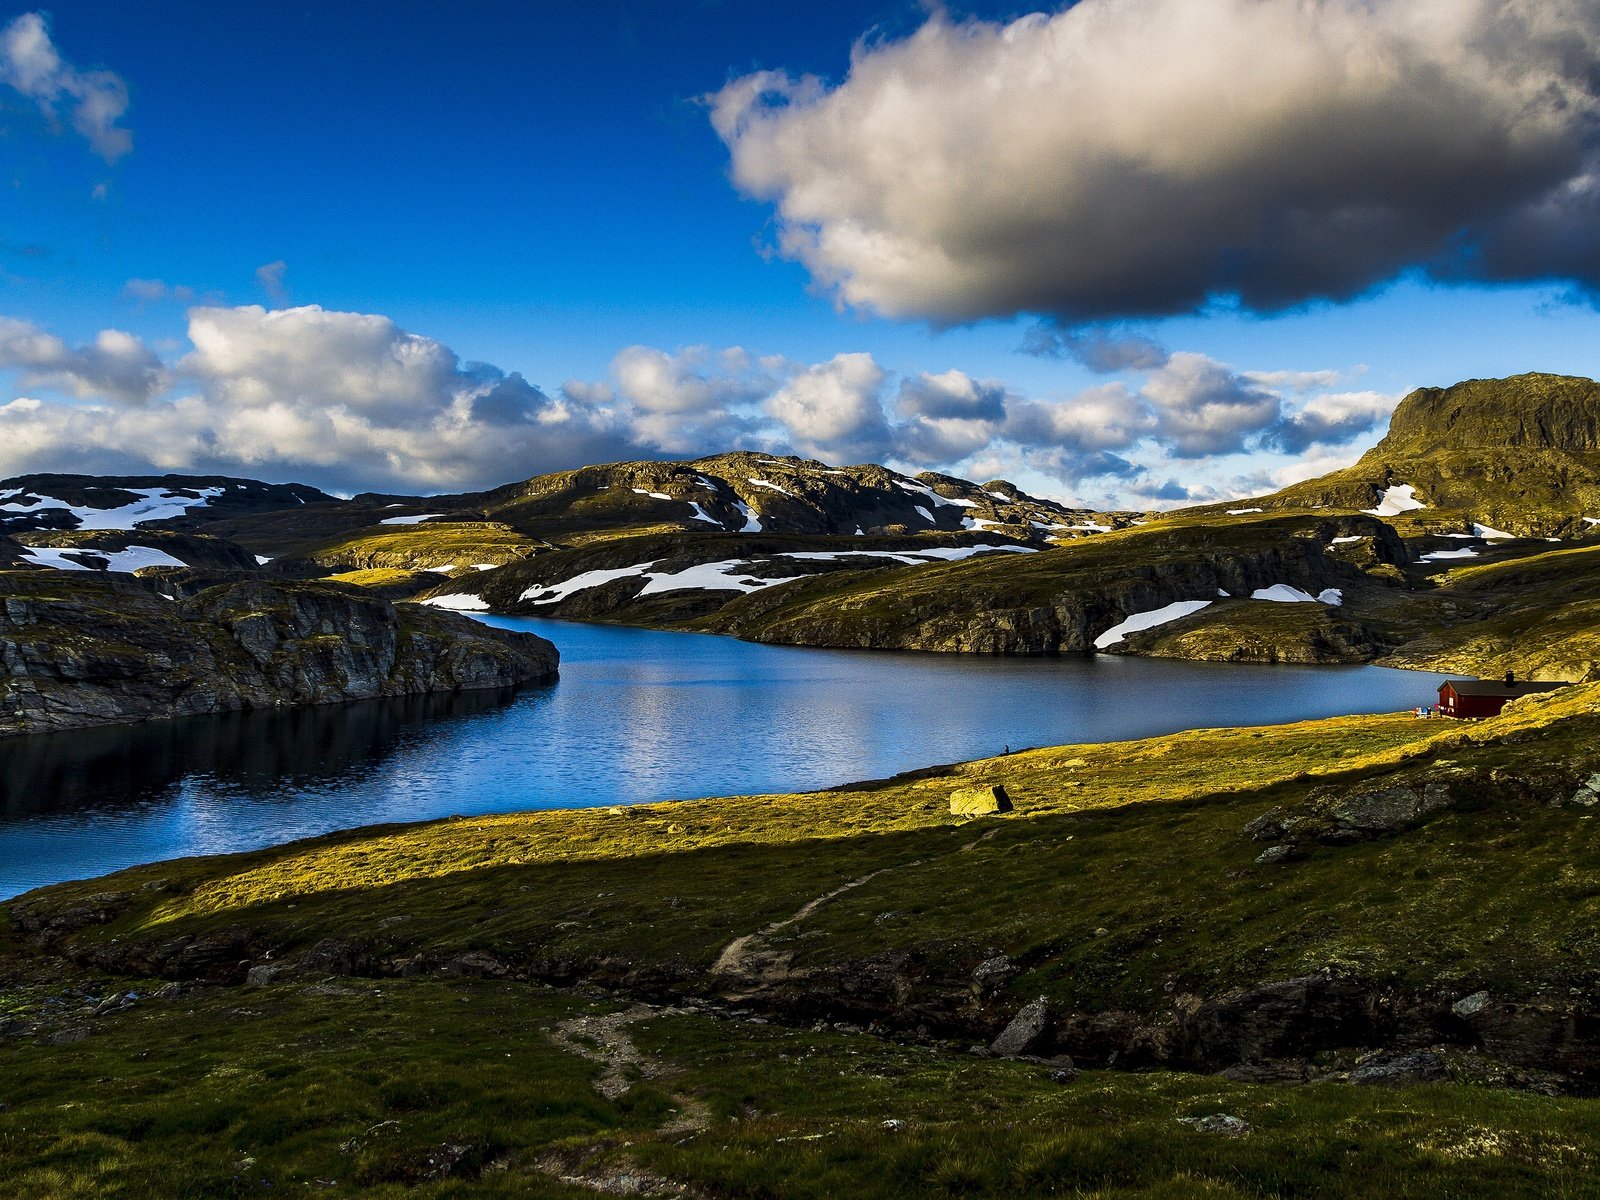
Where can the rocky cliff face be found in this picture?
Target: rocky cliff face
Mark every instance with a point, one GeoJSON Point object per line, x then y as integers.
{"type": "Point", "coordinates": [79, 650]}
{"type": "Point", "coordinates": [1533, 411]}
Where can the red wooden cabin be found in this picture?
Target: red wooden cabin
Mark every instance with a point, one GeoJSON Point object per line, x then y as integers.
{"type": "Point", "coordinates": [1484, 697]}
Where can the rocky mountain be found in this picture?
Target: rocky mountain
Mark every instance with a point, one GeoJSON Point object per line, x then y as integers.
{"type": "Point", "coordinates": [80, 649]}
{"type": "Point", "coordinates": [1518, 455]}
{"type": "Point", "coordinates": [56, 501]}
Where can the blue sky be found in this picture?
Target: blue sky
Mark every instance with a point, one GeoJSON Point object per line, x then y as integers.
{"type": "Point", "coordinates": [541, 187]}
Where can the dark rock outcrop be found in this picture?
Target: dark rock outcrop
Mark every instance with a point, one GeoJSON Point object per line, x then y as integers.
{"type": "Point", "coordinates": [1342, 815]}
{"type": "Point", "coordinates": [78, 650]}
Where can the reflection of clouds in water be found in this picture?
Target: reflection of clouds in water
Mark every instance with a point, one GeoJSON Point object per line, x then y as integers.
{"type": "Point", "coordinates": [637, 716]}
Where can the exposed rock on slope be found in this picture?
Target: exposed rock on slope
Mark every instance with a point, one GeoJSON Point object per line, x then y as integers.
{"type": "Point", "coordinates": [79, 650]}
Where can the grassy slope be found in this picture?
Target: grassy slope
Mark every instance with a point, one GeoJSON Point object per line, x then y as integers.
{"type": "Point", "coordinates": [1123, 870]}
{"type": "Point", "coordinates": [217, 1093]}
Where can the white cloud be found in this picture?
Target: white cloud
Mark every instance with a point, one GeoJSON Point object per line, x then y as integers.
{"type": "Point", "coordinates": [115, 364]}
{"type": "Point", "coordinates": [269, 277]}
{"type": "Point", "coordinates": [151, 291]}
{"type": "Point", "coordinates": [834, 410]}
{"type": "Point", "coordinates": [1333, 418]}
{"type": "Point", "coordinates": [1128, 158]}
{"type": "Point", "coordinates": [340, 399]}
{"type": "Point", "coordinates": [1203, 408]}
{"type": "Point", "coordinates": [31, 64]}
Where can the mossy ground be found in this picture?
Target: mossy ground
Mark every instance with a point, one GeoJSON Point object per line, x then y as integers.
{"type": "Point", "coordinates": [462, 1088]}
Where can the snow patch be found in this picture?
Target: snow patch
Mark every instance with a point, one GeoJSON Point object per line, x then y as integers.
{"type": "Point", "coordinates": [127, 561]}
{"type": "Point", "coordinates": [460, 602]}
{"type": "Point", "coordinates": [1148, 620]}
{"type": "Point", "coordinates": [262, 560]}
{"type": "Point", "coordinates": [770, 486]}
{"type": "Point", "coordinates": [652, 495]}
{"type": "Point", "coordinates": [1283, 593]}
{"type": "Point", "coordinates": [937, 499]}
{"type": "Point", "coordinates": [1345, 541]}
{"type": "Point", "coordinates": [1402, 497]}
{"type": "Point", "coordinates": [926, 515]}
{"type": "Point", "coordinates": [417, 520]}
{"type": "Point", "coordinates": [909, 557]}
{"type": "Point", "coordinates": [711, 577]}
{"type": "Point", "coordinates": [541, 594]}
{"type": "Point", "coordinates": [752, 523]}
{"type": "Point", "coordinates": [1239, 512]}
{"type": "Point", "coordinates": [1441, 555]}
{"type": "Point", "coordinates": [155, 504]}
{"type": "Point", "coordinates": [701, 514]}
{"type": "Point", "coordinates": [1488, 534]}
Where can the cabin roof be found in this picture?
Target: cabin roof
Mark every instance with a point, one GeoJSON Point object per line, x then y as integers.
{"type": "Point", "coordinates": [1497, 687]}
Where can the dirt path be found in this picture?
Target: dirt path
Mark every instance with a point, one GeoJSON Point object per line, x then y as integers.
{"type": "Point", "coordinates": [604, 1039]}
{"type": "Point", "coordinates": [749, 956]}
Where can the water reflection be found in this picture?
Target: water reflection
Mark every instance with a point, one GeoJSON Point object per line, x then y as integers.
{"type": "Point", "coordinates": [259, 752]}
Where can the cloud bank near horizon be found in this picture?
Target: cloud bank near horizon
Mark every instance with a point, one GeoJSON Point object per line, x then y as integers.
{"type": "Point", "coordinates": [353, 401]}
{"type": "Point", "coordinates": [1143, 158]}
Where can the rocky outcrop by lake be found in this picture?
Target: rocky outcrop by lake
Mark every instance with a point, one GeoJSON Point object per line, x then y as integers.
{"type": "Point", "coordinates": [80, 649]}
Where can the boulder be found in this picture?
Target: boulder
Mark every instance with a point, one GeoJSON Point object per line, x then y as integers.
{"type": "Point", "coordinates": [1026, 1032]}
{"type": "Point", "coordinates": [1223, 1123]}
{"type": "Point", "coordinates": [978, 801]}
{"type": "Point", "coordinates": [992, 972]}
{"type": "Point", "coordinates": [1400, 1070]}
{"type": "Point", "coordinates": [1588, 793]}
{"type": "Point", "coordinates": [1470, 1006]}
{"type": "Point", "coordinates": [263, 974]}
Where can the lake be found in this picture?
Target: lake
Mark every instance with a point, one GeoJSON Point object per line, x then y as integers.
{"type": "Point", "coordinates": [637, 715]}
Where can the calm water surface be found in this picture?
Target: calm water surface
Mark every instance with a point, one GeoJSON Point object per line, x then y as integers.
{"type": "Point", "coordinates": [637, 715]}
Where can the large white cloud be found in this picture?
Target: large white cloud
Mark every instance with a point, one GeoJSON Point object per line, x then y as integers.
{"type": "Point", "coordinates": [95, 100]}
{"type": "Point", "coordinates": [1139, 157]}
{"type": "Point", "coordinates": [351, 400]}
{"type": "Point", "coordinates": [339, 399]}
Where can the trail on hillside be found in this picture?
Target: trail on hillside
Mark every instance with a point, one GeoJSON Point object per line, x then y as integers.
{"type": "Point", "coordinates": [603, 1038]}
{"type": "Point", "coordinates": [749, 957]}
